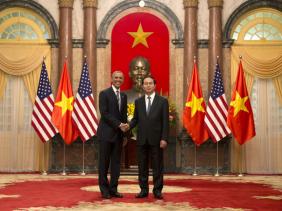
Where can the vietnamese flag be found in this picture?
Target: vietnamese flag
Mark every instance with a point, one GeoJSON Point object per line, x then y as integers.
{"type": "Point", "coordinates": [61, 115]}
{"type": "Point", "coordinates": [240, 117]}
{"type": "Point", "coordinates": [194, 110]}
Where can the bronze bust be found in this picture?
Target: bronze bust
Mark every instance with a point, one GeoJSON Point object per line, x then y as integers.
{"type": "Point", "coordinates": [139, 68]}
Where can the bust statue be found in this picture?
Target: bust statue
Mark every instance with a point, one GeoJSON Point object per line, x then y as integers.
{"type": "Point", "coordinates": [139, 68]}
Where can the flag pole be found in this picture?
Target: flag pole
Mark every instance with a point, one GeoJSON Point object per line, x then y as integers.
{"type": "Point", "coordinates": [83, 173]}
{"type": "Point", "coordinates": [44, 173]}
{"type": "Point", "coordinates": [195, 158]}
{"type": "Point", "coordinates": [240, 149]}
{"type": "Point", "coordinates": [195, 149]}
{"type": "Point", "coordinates": [64, 161]}
{"type": "Point", "coordinates": [216, 174]}
{"type": "Point", "coordinates": [240, 162]}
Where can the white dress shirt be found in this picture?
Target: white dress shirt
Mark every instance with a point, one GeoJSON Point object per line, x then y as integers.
{"type": "Point", "coordinates": [115, 91]}
{"type": "Point", "coordinates": [152, 99]}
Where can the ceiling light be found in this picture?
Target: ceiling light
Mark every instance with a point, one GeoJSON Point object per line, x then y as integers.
{"type": "Point", "coordinates": [141, 3]}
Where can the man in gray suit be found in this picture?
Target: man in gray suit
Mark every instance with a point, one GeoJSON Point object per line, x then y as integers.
{"type": "Point", "coordinates": [151, 117]}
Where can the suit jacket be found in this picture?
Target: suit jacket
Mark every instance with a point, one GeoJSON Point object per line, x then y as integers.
{"type": "Point", "coordinates": [153, 127]}
{"type": "Point", "coordinates": [111, 116]}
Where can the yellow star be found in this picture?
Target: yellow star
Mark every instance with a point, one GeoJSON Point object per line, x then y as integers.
{"type": "Point", "coordinates": [239, 104]}
{"type": "Point", "coordinates": [140, 36]}
{"type": "Point", "coordinates": [65, 103]}
{"type": "Point", "coordinates": [195, 104]}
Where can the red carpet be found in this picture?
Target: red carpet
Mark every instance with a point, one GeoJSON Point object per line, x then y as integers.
{"type": "Point", "coordinates": [199, 193]}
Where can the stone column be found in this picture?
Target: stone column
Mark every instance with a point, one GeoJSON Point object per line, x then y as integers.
{"type": "Point", "coordinates": [90, 34]}
{"type": "Point", "coordinates": [190, 40]}
{"type": "Point", "coordinates": [65, 34]}
{"type": "Point", "coordinates": [215, 36]}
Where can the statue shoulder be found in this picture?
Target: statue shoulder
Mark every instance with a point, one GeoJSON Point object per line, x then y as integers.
{"type": "Point", "coordinates": [132, 95]}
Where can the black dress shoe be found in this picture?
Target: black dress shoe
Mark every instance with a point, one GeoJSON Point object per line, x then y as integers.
{"type": "Point", "coordinates": [158, 195]}
{"type": "Point", "coordinates": [142, 194]}
{"type": "Point", "coordinates": [116, 195]}
{"type": "Point", "coordinates": [106, 196]}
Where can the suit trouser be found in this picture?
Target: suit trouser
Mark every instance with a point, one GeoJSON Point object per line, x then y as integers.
{"type": "Point", "coordinates": [156, 154]}
{"type": "Point", "coordinates": [110, 155]}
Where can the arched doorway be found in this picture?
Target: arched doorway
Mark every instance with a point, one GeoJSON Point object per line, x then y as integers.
{"type": "Point", "coordinates": [175, 59]}
{"type": "Point", "coordinates": [258, 39]}
{"type": "Point", "coordinates": [23, 39]}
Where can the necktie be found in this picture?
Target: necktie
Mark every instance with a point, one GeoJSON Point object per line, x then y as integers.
{"type": "Point", "coordinates": [149, 105]}
{"type": "Point", "coordinates": [118, 99]}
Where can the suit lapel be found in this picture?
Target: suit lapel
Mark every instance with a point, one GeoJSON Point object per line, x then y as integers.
{"type": "Point", "coordinates": [143, 104]}
{"type": "Point", "coordinates": [114, 96]}
{"type": "Point", "coordinates": [122, 104]}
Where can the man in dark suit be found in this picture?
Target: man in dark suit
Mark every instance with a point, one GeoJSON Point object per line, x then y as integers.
{"type": "Point", "coordinates": [151, 115]}
{"type": "Point", "coordinates": [113, 109]}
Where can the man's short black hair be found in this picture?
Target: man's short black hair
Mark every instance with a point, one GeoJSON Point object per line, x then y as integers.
{"type": "Point", "coordinates": [149, 76]}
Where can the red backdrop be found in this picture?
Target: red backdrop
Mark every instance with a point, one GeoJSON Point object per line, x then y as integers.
{"type": "Point", "coordinates": [157, 51]}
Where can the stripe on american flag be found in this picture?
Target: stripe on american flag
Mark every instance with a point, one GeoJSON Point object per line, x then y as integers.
{"type": "Point", "coordinates": [84, 113]}
{"type": "Point", "coordinates": [43, 106]}
{"type": "Point", "coordinates": [216, 118]}
{"type": "Point", "coordinates": [216, 115]}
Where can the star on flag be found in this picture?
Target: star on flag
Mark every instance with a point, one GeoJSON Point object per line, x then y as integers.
{"type": "Point", "coordinates": [140, 37]}
{"type": "Point", "coordinates": [239, 104]}
{"type": "Point", "coordinates": [65, 103]}
{"type": "Point", "coordinates": [195, 104]}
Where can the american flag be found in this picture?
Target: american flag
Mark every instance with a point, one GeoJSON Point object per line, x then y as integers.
{"type": "Point", "coordinates": [217, 109]}
{"type": "Point", "coordinates": [84, 113]}
{"type": "Point", "coordinates": [43, 107]}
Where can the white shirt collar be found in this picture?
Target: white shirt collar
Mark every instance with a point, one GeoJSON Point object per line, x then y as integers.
{"type": "Point", "coordinates": [115, 89]}
{"type": "Point", "coordinates": [152, 96]}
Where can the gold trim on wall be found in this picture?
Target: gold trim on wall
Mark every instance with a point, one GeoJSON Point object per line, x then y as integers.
{"type": "Point", "coordinates": [215, 3]}
{"type": "Point", "coordinates": [65, 3]}
{"type": "Point", "coordinates": [90, 3]}
{"type": "Point", "coordinates": [190, 3]}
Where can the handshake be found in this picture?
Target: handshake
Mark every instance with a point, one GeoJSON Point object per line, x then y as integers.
{"type": "Point", "coordinates": [124, 127]}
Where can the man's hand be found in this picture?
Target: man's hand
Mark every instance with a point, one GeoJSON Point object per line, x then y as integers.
{"type": "Point", "coordinates": [124, 127]}
{"type": "Point", "coordinates": [163, 144]}
{"type": "Point", "coordinates": [125, 141]}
